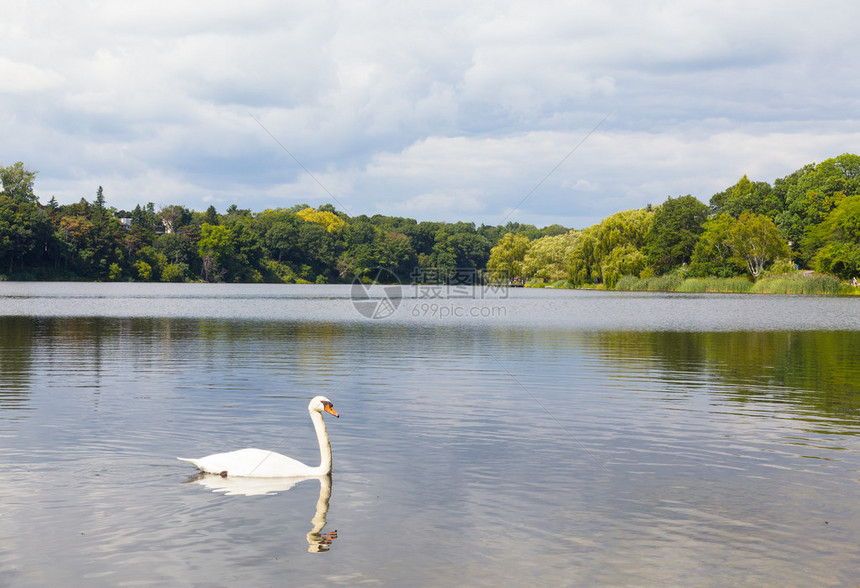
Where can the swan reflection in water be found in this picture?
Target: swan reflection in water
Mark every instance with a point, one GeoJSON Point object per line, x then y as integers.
{"type": "Point", "coordinates": [318, 542]}
{"type": "Point", "coordinates": [255, 472]}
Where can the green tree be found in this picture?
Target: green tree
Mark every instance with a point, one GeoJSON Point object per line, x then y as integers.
{"type": "Point", "coordinates": [530, 231]}
{"type": "Point", "coordinates": [277, 231]}
{"type": "Point", "coordinates": [396, 253]}
{"type": "Point", "coordinates": [834, 245]}
{"type": "Point", "coordinates": [812, 192]}
{"type": "Point", "coordinates": [554, 230]}
{"type": "Point", "coordinates": [154, 260]}
{"type": "Point", "coordinates": [459, 246]}
{"type": "Point", "coordinates": [245, 263]}
{"type": "Point", "coordinates": [713, 255]}
{"type": "Point", "coordinates": [175, 272]}
{"type": "Point", "coordinates": [23, 226]}
{"type": "Point", "coordinates": [100, 199]}
{"type": "Point", "coordinates": [174, 217]}
{"type": "Point", "coordinates": [143, 229]}
{"type": "Point", "coordinates": [674, 232]}
{"type": "Point", "coordinates": [76, 239]}
{"type": "Point", "coordinates": [423, 236]}
{"type": "Point", "coordinates": [369, 246]}
{"type": "Point", "coordinates": [17, 182]}
{"type": "Point", "coordinates": [747, 196]}
{"type": "Point", "coordinates": [317, 250]}
{"type": "Point", "coordinates": [145, 218]}
{"type": "Point", "coordinates": [211, 216]}
{"type": "Point", "coordinates": [176, 247]}
{"type": "Point", "coordinates": [362, 251]}
{"type": "Point", "coordinates": [444, 255]}
{"type": "Point", "coordinates": [106, 240]}
{"type": "Point", "coordinates": [471, 250]}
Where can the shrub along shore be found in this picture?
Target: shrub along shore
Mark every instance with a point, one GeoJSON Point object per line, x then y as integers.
{"type": "Point", "coordinates": [794, 283]}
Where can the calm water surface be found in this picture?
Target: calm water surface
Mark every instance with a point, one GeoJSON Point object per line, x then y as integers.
{"type": "Point", "coordinates": [516, 438]}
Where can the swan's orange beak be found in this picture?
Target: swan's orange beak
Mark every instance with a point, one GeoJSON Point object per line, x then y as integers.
{"type": "Point", "coordinates": [329, 409]}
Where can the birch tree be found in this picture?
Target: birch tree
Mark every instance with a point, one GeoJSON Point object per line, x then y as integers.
{"type": "Point", "coordinates": [755, 242]}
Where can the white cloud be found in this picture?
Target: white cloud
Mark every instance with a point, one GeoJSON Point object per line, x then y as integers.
{"type": "Point", "coordinates": [439, 110]}
{"type": "Point", "coordinates": [456, 204]}
{"type": "Point", "coordinates": [16, 77]}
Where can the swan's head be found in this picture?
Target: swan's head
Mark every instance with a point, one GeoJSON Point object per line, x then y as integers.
{"type": "Point", "coordinates": [321, 403]}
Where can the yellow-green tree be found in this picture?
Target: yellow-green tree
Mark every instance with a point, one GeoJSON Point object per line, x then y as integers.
{"type": "Point", "coordinates": [506, 258]}
{"type": "Point", "coordinates": [215, 247]}
{"type": "Point", "coordinates": [581, 267]}
{"type": "Point", "coordinates": [625, 260]}
{"type": "Point", "coordinates": [628, 227]}
{"type": "Point", "coordinates": [547, 258]}
{"type": "Point", "coordinates": [612, 246]}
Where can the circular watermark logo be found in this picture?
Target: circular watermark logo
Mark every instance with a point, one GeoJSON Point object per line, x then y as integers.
{"type": "Point", "coordinates": [378, 296]}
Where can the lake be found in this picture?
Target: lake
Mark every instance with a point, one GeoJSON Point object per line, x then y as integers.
{"type": "Point", "coordinates": [487, 436]}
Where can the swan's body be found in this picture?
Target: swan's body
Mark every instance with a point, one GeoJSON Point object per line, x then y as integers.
{"type": "Point", "coordinates": [260, 463]}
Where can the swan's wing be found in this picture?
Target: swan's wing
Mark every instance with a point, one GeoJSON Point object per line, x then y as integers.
{"type": "Point", "coordinates": [257, 463]}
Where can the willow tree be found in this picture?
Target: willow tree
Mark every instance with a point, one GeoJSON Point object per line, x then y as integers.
{"type": "Point", "coordinates": [547, 258]}
{"type": "Point", "coordinates": [625, 260]}
{"type": "Point", "coordinates": [507, 257]}
{"type": "Point", "coordinates": [613, 245]}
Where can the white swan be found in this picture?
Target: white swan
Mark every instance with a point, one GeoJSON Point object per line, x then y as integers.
{"type": "Point", "coordinates": [259, 463]}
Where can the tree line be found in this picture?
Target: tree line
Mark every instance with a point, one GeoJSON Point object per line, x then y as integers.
{"type": "Point", "coordinates": [89, 240]}
{"type": "Point", "coordinates": [808, 219]}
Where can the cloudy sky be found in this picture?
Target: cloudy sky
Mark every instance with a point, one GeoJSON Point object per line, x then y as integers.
{"type": "Point", "coordinates": [483, 111]}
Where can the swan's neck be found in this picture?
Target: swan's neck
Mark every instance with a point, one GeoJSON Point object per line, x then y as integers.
{"type": "Point", "coordinates": [325, 445]}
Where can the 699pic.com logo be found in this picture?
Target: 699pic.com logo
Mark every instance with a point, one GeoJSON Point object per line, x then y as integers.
{"type": "Point", "coordinates": [378, 295]}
